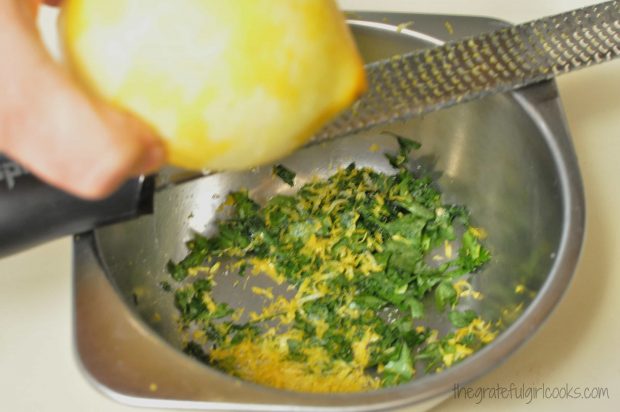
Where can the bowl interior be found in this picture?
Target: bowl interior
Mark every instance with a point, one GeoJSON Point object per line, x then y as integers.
{"type": "Point", "coordinates": [489, 155]}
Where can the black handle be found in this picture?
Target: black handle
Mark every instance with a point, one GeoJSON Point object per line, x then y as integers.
{"type": "Point", "coordinates": [32, 212]}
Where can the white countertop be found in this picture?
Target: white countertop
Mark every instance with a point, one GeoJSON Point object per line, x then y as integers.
{"type": "Point", "coordinates": [578, 346]}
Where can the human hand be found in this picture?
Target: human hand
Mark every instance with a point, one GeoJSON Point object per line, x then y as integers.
{"type": "Point", "coordinates": [52, 127]}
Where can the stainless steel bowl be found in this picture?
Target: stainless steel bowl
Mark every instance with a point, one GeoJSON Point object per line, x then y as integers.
{"type": "Point", "coordinates": [508, 158]}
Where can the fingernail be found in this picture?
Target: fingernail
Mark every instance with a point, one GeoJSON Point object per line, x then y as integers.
{"type": "Point", "coordinates": [153, 159]}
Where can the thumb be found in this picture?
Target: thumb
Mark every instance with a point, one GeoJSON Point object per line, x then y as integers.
{"type": "Point", "coordinates": [48, 124]}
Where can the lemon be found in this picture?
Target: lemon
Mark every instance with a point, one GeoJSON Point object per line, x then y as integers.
{"type": "Point", "coordinates": [227, 84]}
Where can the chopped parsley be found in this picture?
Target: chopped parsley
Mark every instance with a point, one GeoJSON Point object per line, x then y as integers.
{"type": "Point", "coordinates": [285, 174]}
{"type": "Point", "coordinates": [362, 252]}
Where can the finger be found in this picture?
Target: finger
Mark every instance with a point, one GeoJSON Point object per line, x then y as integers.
{"type": "Point", "coordinates": [152, 159]}
{"type": "Point", "coordinates": [33, 5]}
{"type": "Point", "coordinates": [67, 140]}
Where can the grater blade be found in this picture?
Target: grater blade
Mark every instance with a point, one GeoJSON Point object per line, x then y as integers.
{"type": "Point", "coordinates": [409, 85]}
